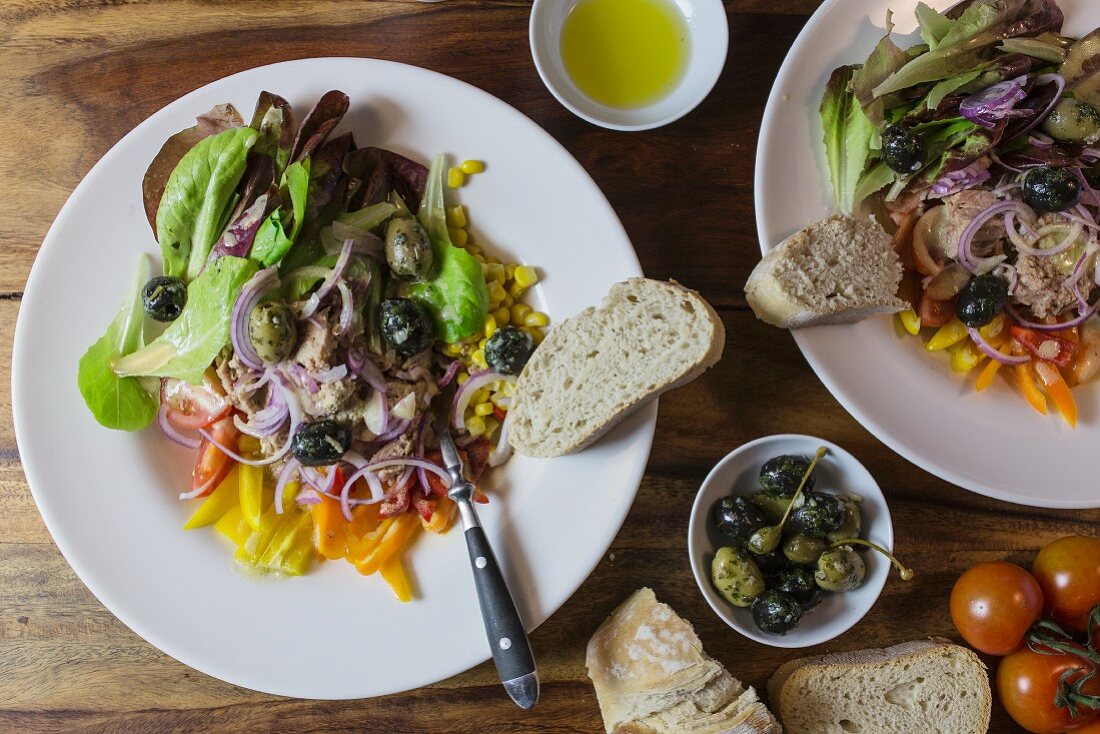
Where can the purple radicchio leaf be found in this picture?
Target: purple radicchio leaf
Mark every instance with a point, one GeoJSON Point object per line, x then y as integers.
{"type": "Point", "coordinates": [273, 118]}
{"type": "Point", "coordinates": [318, 123]}
{"type": "Point", "coordinates": [374, 172]}
{"type": "Point", "coordinates": [237, 238]}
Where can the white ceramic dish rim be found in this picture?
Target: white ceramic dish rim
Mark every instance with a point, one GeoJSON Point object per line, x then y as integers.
{"type": "Point", "coordinates": [815, 353]}
{"type": "Point", "coordinates": [705, 68]}
{"type": "Point", "coordinates": [637, 429]}
{"type": "Point", "coordinates": [802, 637]}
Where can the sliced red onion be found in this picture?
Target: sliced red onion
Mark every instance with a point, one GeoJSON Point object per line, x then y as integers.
{"type": "Point", "coordinates": [256, 383]}
{"type": "Point", "coordinates": [399, 427]}
{"type": "Point", "coordinates": [976, 265]}
{"type": "Point", "coordinates": [1076, 321]}
{"type": "Point", "coordinates": [303, 378]}
{"type": "Point", "coordinates": [308, 496]}
{"type": "Point", "coordinates": [503, 450]}
{"type": "Point", "coordinates": [289, 469]}
{"type": "Point", "coordinates": [239, 235]}
{"type": "Point", "coordinates": [256, 288]}
{"type": "Point", "coordinates": [1008, 273]}
{"type": "Point", "coordinates": [997, 159]}
{"type": "Point", "coordinates": [973, 175]}
{"type": "Point", "coordinates": [295, 420]}
{"type": "Point", "coordinates": [1006, 187]}
{"type": "Point", "coordinates": [1071, 237]}
{"type": "Point", "coordinates": [368, 371]}
{"type": "Point", "coordinates": [1040, 140]}
{"type": "Point", "coordinates": [330, 282]}
{"type": "Point", "coordinates": [377, 494]}
{"type": "Point", "coordinates": [421, 443]}
{"type": "Point", "coordinates": [347, 308]}
{"type": "Point", "coordinates": [1086, 189]}
{"type": "Point", "coordinates": [993, 104]}
{"type": "Point", "coordinates": [413, 462]}
{"type": "Point", "coordinates": [333, 374]}
{"type": "Point", "coordinates": [200, 491]}
{"type": "Point", "coordinates": [449, 375]}
{"type": "Point", "coordinates": [1040, 80]}
{"type": "Point", "coordinates": [992, 352]}
{"type": "Point", "coordinates": [172, 432]}
{"type": "Point", "coordinates": [466, 390]}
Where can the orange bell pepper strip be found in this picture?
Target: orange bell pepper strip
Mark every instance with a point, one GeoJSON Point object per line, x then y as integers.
{"type": "Point", "coordinates": [442, 518]}
{"type": "Point", "coordinates": [330, 529]}
{"type": "Point", "coordinates": [1025, 379]}
{"type": "Point", "coordinates": [985, 377]}
{"type": "Point", "coordinates": [1059, 392]}
{"type": "Point", "coordinates": [393, 571]}
{"type": "Point", "coordinates": [364, 519]}
{"type": "Point", "coordinates": [400, 531]}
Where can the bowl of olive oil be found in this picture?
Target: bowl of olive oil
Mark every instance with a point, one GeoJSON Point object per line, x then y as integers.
{"type": "Point", "coordinates": [629, 64]}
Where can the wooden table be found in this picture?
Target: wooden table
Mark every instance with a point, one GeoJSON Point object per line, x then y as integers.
{"type": "Point", "coordinates": [76, 75]}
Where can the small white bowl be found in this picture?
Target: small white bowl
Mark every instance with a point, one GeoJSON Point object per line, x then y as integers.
{"type": "Point", "coordinates": [709, 35]}
{"type": "Point", "coordinates": [838, 472]}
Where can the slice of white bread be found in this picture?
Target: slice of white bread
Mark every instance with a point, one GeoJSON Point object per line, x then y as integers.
{"type": "Point", "coordinates": [839, 270]}
{"type": "Point", "coordinates": [597, 367]}
{"type": "Point", "coordinates": [921, 687]}
{"type": "Point", "coordinates": [652, 677]}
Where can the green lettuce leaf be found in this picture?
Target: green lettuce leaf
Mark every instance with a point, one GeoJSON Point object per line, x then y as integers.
{"type": "Point", "coordinates": [934, 25]}
{"type": "Point", "coordinates": [457, 296]}
{"type": "Point", "coordinates": [190, 344]}
{"type": "Point", "coordinates": [848, 134]}
{"type": "Point", "coordinates": [117, 402]}
{"type": "Point", "coordinates": [196, 199]}
{"type": "Point", "coordinates": [277, 234]}
{"type": "Point", "coordinates": [885, 59]}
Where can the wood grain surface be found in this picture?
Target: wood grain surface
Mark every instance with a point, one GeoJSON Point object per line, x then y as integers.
{"type": "Point", "coordinates": [76, 75]}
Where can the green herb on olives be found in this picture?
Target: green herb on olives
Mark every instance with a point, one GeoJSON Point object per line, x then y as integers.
{"type": "Point", "coordinates": [164, 297]}
{"type": "Point", "coordinates": [781, 476]}
{"type": "Point", "coordinates": [767, 538]}
{"type": "Point", "coordinates": [1073, 121]}
{"type": "Point", "coordinates": [981, 299]}
{"type": "Point", "coordinates": [840, 569]}
{"type": "Point", "coordinates": [803, 549]}
{"type": "Point", "coordinates": [508, 350]}
{"type": "Point", "coordinates": [821, 514]}
{"type": "Point", "coordinates": [799, 583]}
{"type": "Point", "coordinates": [776, 612]}
{"type": "Point", "coordinates": [853, 519]}
{"type": "Point", "coordinates": [408, 249]}
{"type": "Point", "coordinates": [406, 326]}
{"type": "Point", "coordinates": [736, 576]}
{"type": "Point", "coordinates": [1050, 189]}
{"type": "Point", "coordinates": [321, 442]}
{"type": "Point", "coordinates": [273, 331]}
{"type": "Point", "coordinates": [772, 506]}
{"type": "Point", "coordinates": [737, 519]}
{"type": "Point", "coordinates": [903, 150]}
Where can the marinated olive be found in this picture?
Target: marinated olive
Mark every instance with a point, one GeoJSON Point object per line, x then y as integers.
{"type": "Point", "coordinates": [320, 443]}
{"type": "Point", "coordinates": [840, 569]}
{"type": "Point", "coordinates": [1048, 189]}
{"type": "Point", "coordinates": [780, 476]}
{"type": "Point", "coordinates": [803, 549]}
{"type": "Point", "coordinates": [164, 297]}
{"type": "Point", "coordinates": [772, 506]}
{"type": "Point", "coordinates": [737, 519]}
{"type": "Point", "coordinates": [406, 326]}
{"type": "Point", "coordinates": [1073, 121]}
{"type": "Point", "coordinates": [508, 350]}
{"type": "Point", "coordinates": [771, 563]}
{"type": "Point", "coordinates": [853, 520]}
{"type": "Point", "coordinates": [981, 299]}
{"type": "Point", "coordinates": [408, 249]}
{"type": "Point", "coordinates": [273, 331]}
{"type": "Point", "coordinates": [822, 514]}
{"type": "Point", "coordinates": [776, 612]}
{"type": "Point", "coordinates": [902, 150]}
{"type": "Point", "coordinates": [736, 576]}
{"type": "Point", "coordinates": [799, 583]}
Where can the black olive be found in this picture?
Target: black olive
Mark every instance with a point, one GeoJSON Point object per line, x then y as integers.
{"type": "Point", "coordinates": [981, 299]}
{"type": "Point", "coordinates": [164, 297]}
{"type": "Point", "coordinates": [772, 562]}
{"type": "Point", "coordinates": [320, 443]}
{"type": "Point", "coordinates": [508, 350]}
{"type": "Point", "coordinates": [738, 519]}
{"type": "Point", "coordinates": [776, 612]}
{"type": "Point", "coordinates": [1048, 189]}
{"type": "Point", "coordinates": [406, 326]}
{"type": "Point", "coordinates": [902, 150]}
{"type": "Point", "coordinates": [821, 514]}
{"type": "Point", "coordinates": [799, 582]}
{"type": "Point", "coordinates": [781, 475]}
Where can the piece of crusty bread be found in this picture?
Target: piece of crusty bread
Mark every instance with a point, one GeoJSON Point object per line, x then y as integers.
{"type": "Point", "coordinates": [921, 687]}
{"type": "Point", "coordinates": [839, 270]}
{"type": "Point", "coordinates": [599, 366]}
{"type": "Point", "coordinates": [652, 677]}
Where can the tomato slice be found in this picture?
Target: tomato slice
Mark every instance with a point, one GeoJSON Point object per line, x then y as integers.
{"type": "Point", "coordinates": [212, 465]}
{"type": "Point", "coordinates": [191, 407]}
{"type": "Point", "coordinates": [935, 313]}
{"type": "Point", "coordinates": [1047, 347]}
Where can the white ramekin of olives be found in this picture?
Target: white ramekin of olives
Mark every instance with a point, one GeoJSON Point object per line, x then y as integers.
{"type": "Point", "coordinates": [789, 582]}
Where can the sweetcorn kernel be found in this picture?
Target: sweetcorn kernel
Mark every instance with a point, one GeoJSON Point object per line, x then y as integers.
{"type": "Point", "coordinates": [482, 342]}
{"type": "Point", "coordinates": [493, 259]}
{"type": "Point", "coordinates": [491, 425]}
{"type": "Point", "coordinates": [507, 301]}
{"type": "Point", "coordinates": [502, 315]}
{"type": "Point", "coordinates": [491, 325]}
{"type": "Point", "coordinates": [519, 313]}
{"type": "Point", "coordinates": [483, 409]}
{"type": "Point", "coordinates": [472, 166]}
{"type": "Point", "coordinates": [452, 350]}
{"type": "Point", "coordinates": [478, 358]}
{"type": "Point", "coordinates": [516, 290]}
{"type": "Point", "coordinates": [475, 424]}
{"type": "Point", "coordinates": [536, 318]}
{"type": "Point", "coordinates": [509, 389]}
{"type": "Point", "coordinates": [459, 237]}
{"type": "Point", "coordinates": [526, 276]}
{"type": "Point", "coordinates": [462, 377]}
{"type": "Point", "coordinates": [510, 270]}
{"type": "Point", "coordinates": [456, 216]}
{"type": "Point", "coordinates": [455, 178]}
{"type": "Point", "coordinates": [494, 270]}
{"type": "Point", "coordinates": [535, 332]}
{"type": "Point", "coordinates": [474, 250]}
{"type": "Point", "coordinates": [496, 292]}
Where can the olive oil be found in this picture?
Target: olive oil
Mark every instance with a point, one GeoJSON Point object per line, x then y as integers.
{"type": "Point", "coordinates": [625, 53]}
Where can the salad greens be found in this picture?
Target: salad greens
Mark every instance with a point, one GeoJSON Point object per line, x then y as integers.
{"type": "Point", "coordinates": [189, 345]}
{"type": "Point", "coordinates": [118, 402]}
{"type": "Point", "coordinates": [198, 197]}
{"type": "Point", "coordinates": [278, 233]}
{"type": "Point", "coordinates": [273, 119]}
{"type": "Point", "coordinates": [848, 134]}
{"type": "Point", "coordinates": [457, 296]}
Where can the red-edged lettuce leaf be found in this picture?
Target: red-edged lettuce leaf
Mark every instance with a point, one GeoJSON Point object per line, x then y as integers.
{"type": "Point", "coordinates": [327, 180]}
{"type": "Point", "coordinates": [318, 123]}
{"type": "Point", "coordinates": [885, 60]}
{"type": "Point", "coordinates": [374, 172]}
{"type": "Point", "coordinates": [273, 118]}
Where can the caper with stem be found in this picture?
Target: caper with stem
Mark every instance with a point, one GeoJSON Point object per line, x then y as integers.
{"type": "Point", "coordinates": [767, 538]}
{"type": "Point", "coordinates": [840, 568]}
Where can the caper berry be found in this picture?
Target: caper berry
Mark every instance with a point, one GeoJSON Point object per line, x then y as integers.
{"type": "Point", "coordinates": [320, 443]}
{"type": "Point", "coordinates": [840, 569]}
{"type": "Point", "coordinates": [164, 297]}
{"type": "Point", "coordinates": [903, 150]}
{"type": "Point", "coordinates": [273, 331]}
{"type": "Point", "coordinates": [776, 612]}
{"type": "Point", "coordinates": [408, 249]}
{"type": "Point", "coordinates": [1049, 189]}
{"type": "Point", "coordinates": [803, 549]}
{"type": "Point", "coordinates": [406, 326]}
{"type": "Point", "coordinates": [981, 299]}
{"type": "Point", "coordinates": [736, 576]}
{"type": "Point", "coordinates": [508, 350]}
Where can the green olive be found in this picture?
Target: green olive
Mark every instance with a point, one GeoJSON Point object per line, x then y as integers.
{"type": "Point", "coordinates": [772, 505]}
{"type": "Point", "coordinates": [408, 249]}
{"type": "Point", "coordinates": [736, 576]}
{"type": "Point", "coordinates": [840, 569]}
{"type": "Point", "coordinates": [803, 549]}
{"type": "Point", "coordinates": [1073, 121]}
{"type": "Point", "coordinates": [273, 331]}
{"type": "Point", "coordinates": [853, 519]}
{"type": "Point", "coordinates": [766, 539]}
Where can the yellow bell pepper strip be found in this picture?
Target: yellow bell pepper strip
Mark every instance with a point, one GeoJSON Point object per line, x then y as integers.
{"type": "Point", "coordinates": [401, 530]}
{"type": "Point", "coordinates": [217, 503]}
{"type": "Point", "coordinates": [330, 529]}
{"type": "Point", "coordinates": [393, 571]}
{"type": "Point", "coordinates": [260, 538]}
{"type": "Point", "coordinates": [301, 552]}
{"type": "Point", "coordinates": [948, 335]}
{"type": "Point", "coordinates": [364, 519]}
{"type": "Point", "coordinates": [252, 495]}
{"type": "Point", "coordinates": [1025, 379]}
{"type": "Point", "coordinates": [965, 356]}
{"type": "Point", "coordinates": [1058, 391]}
{"type": "Point", "coordinates": [294, 527]}
{"type": "Point", "coordinates": [233, 526]}
{"type": "Point", "coordinates": [910, 321]}
{"type": "Point", "coordinates": [442, 518]}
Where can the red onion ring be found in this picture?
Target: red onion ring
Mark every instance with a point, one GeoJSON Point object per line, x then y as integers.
{"type": "Point", "coordinates": [978, 266]}
{"type": "Point", "coordinates": [449, 375]}
{"type": "Point", "coordinates": [1040, 80]}
{"type": "Point", "coordinates": [347, 308]}
{"type": "Point", "coordinates": [172, 432]}
{"type": "Point", "coordinates": [330, 282]}
{"type": "Point", "coordinates": [503, 450]}
{"type": "Point", "coordinates": [256, 288]}
{"type": "Point", "coordinates": [1076, 321]}
{"type": "Point", "coordinates": [992, 352]}
{"type": "Point", "coordinates": [288, 469]}
{"type": "Point", "coordinates": [467, 389]}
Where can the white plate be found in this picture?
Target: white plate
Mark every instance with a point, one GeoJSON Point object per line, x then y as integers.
{"type": "Point", "coordinates": [108, 498]}
{"type": "Point", "coordinates": [992, 443]}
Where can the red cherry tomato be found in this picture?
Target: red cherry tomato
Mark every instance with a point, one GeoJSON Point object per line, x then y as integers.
{"type": "Point", "coordinates": [191, 407]}
{"type": "Point", "coordinates": [1092, 727]}
{"type": "Point", "coordinates": [993, 604]}
{"type": "Point", "coordinates": [933, 312]}
{"type": "Point", "coordinates": [1027, 684]}
{"type": "Point", "coordinates": [212, 465]}
{"type": "Point", "coordinates": [1068, 570]}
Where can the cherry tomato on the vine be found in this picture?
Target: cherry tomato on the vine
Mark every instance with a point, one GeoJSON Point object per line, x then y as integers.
{"type": "Point", "coordinates": [993, 604]}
